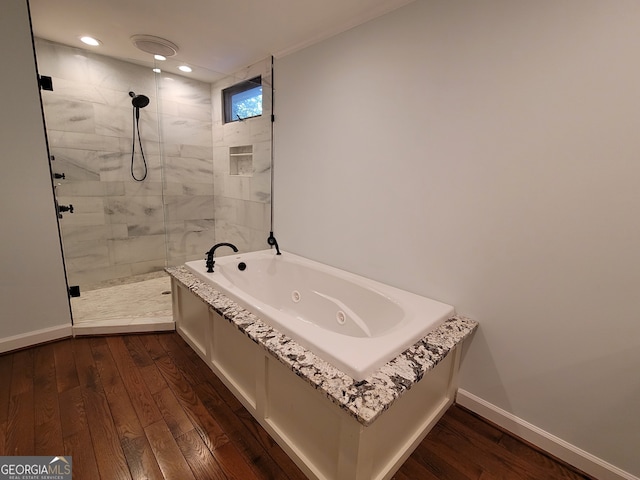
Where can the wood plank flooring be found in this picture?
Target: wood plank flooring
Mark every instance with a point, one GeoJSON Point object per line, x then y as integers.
{"type": "Point", "coordinates": [146, 407]}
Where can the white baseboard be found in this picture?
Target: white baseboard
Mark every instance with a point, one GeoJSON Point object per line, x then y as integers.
{"type": "Point", "coordinates": [557, 447]}
{"type": "Point", "coordinates": [33, 338]}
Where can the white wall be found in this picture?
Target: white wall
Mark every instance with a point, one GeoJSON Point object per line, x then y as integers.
{"type": "Point", "coordinates": [33, 298]}
{"type": "Point", "coordinates": [486, 154]}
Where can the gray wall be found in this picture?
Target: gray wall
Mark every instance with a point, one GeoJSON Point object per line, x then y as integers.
{"type": "Point", "coordinates": [486, 154]}
{"type": "Point", "coordinates": [32, 286]}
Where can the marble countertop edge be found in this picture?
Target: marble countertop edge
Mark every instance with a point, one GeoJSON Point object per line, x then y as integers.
{"type": "Point", "coordinates": [364, 400]}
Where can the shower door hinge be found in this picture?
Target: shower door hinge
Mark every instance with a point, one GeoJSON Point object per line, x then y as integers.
{"type": "Point", "coordinates": [74, 291]}
{"type": "Point", "coordinates": [46, 83]}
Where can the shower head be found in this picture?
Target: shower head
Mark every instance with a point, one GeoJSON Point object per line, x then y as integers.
{"type": "Point", "coordinates": [139, 101]}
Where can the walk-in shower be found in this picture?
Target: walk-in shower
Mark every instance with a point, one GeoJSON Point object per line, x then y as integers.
{"type": "Point", "coordinates": [204, 181]}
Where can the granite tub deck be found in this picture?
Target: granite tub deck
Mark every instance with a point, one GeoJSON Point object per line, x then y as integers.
{"type": "Point", "coordinates": [363, 400]}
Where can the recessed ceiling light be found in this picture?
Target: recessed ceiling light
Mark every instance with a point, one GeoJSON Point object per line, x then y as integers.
{"type": "Point", "coordinates": [162, 58]}
{"type": "Point", "coordinates": [185, 68]}
{"type": "Point", "coordinates": [157, 70]}
{"type": "Point", "coordinates": [90, 41]}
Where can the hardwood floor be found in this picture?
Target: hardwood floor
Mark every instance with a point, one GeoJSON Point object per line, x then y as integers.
{"type": "Point", "coordinates": [146, 407]}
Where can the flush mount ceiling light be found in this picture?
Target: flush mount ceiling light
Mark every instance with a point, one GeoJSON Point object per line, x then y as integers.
{"type": "Point", "coordinates": [155, 45]}
{"type": "Point", "coordinates": [161, 58]}
{"type": "Point", "coordinates": [185, 68]}
{"type": "Point", "coordinates": [156, 70]}
{"type": "Point", "coordinates": [94, 42]}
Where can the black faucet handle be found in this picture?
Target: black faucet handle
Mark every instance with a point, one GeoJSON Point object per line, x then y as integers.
{"type": "Point", "coordinates": [210, 262]}
{"type": "Point", "coordinates": [65, 208]}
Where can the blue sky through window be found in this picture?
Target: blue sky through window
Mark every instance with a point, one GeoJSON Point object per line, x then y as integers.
{"type": "Point", "coordinates": [247, 103]}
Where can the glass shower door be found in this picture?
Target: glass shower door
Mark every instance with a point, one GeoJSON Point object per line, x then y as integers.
{"type": "Point", "coordinates": [110, 196]}
{"type": "Point", "coordinates": [155, 175]}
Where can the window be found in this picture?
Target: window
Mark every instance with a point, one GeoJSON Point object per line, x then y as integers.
{"type": "Point", "coordinates": [243, 100]}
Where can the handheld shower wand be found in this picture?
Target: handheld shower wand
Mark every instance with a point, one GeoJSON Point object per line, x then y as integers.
{"type": "Point", "coordinates": [138, 102]}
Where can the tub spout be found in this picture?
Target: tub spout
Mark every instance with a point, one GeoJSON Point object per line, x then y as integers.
{"type": "Point", "coordinates": [210, 261]}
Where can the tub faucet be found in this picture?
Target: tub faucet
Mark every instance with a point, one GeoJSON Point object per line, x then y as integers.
{"type": "Point", "coordinates": [210, 261]}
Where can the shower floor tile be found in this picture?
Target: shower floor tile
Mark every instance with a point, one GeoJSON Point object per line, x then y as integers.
{"type": "Point", "coordinates": [132, 307]}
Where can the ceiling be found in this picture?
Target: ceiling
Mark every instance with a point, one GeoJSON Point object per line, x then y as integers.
{"type": "Point", "coordinates": [214, 37]}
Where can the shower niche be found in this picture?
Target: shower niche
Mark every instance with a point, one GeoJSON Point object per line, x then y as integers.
{"type": "Point", "coordinates": [241, 160]}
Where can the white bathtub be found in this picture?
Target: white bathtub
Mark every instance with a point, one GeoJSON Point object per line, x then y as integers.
{"type": "Point", "coordinates": [354, 323]}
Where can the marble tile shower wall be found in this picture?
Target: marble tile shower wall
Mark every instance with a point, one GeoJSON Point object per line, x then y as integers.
{"type": "Point", "coordinates": [121, 227]}
{"type": "Point", "coordinates": [243, 201]}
